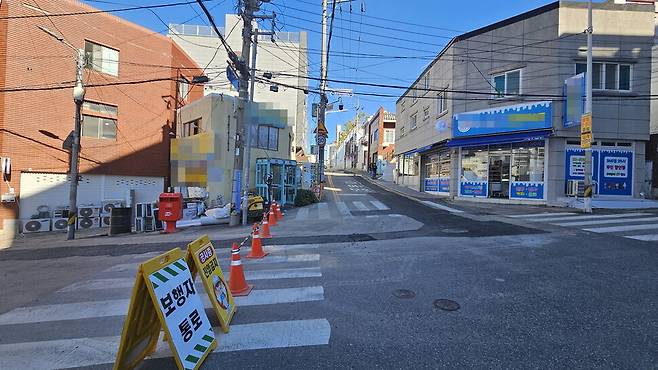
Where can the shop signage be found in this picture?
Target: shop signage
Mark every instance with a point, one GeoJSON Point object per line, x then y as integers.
{"type": "Point", "coordinates": [527, 190]}
{"type": "Point", "coordinates": [440, 185]}
{"type": "Point", "coordinates": [586, 131]}
{"type": "Point", "coordinates": [512, 118]}
{"type": "Point", "coordinates": [574, 93]}
{"type": "Point", "coordinates": [473, 188]}
{"type": "Point", "coordinates": [432, 185]}
{"type": "Point", "coordinates": [615, 167]}
{"type": "Point", "coordinates": [612, 170]}
{"type": "Point", "coordinates": [444, 185]}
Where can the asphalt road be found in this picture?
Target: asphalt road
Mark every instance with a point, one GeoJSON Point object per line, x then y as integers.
{"type": "Point", "coordinates": [530, 294]}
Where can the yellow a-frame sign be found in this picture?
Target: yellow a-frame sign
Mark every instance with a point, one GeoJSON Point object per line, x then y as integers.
{"type": "Point", "coordinates": [164, 296]}
{"type": "Point", "coordinates": [201, 257]}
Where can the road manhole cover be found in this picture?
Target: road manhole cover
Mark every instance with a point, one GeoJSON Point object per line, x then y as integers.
{"type": "Point", "coordinates": [404, 293]}
{"type": "Point", "coordinates": [454, 231]}
{"type": "Point", "coordinates": [446, 305]}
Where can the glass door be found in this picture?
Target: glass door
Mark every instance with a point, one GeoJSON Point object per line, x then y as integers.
{"type": "Point", "coordinates": [499, 171]}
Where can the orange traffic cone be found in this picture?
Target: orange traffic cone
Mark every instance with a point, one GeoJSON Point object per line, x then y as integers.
{"type": "Point", "coordinates": [271, 216]}
{"type": "Point", "coordinates": [237, 283]}
{"type": "Point", "coordinates": [265, 228]}
{"type": "Point", "coordinates": [256, 245]}
{"type": "Point", "coordinates": [279, 214]}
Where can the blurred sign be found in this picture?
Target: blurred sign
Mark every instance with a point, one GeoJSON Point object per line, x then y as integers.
{"type": "Point", "coordinates": [574, 94]}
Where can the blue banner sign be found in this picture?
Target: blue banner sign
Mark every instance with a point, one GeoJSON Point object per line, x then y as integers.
{"type": "Point", "coordinates": [473, 188]}
{"type": "Point", "coordinates": [444, 185]}
{"type": "Point", "coordinates": [432, 185]}
{"type": "Point", "coordinates": [527, 190]}
{"type": "Point", "coordinates": [574, 94]}
{"type": "Point", "coordinates": [511, 118]}
{"type": "Point", "coordinates": [616, 172]}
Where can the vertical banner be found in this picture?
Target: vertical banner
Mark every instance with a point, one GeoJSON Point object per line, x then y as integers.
{"type": "Point", "coordinates": [616, 172]}
{"type": "Point", "coordinates": [202, 258]}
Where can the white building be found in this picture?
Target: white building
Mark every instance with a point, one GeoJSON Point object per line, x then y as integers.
{"type": "Point", "coordinates": [288, 56]}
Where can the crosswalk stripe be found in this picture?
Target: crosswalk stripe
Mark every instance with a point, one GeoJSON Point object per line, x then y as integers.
{"type": "Point", "coordinates": [323, 211]}
{"type": "Point", "coordinates": [604, 222]}
{"type": "Point", "coordinates": [78, 352]}
{"type": "Point", "coordinates": [588, 217]}
{"type": "Point", "coordinates": [302, 214]}
{"type": "Point", "coordinates": [616, 229]}
{"type": "Point", "coordinates": [283, 259]}
{"type": "Point", "coordinates": [283, 273]}
{"type": "Point", "coordinates": [543, 214]}
{"type": "Point", "coordinates": [343, 209]}
{"type": "Point", "coordinates": [441, 207]}
{"type": "Point", "coordinates": [119, 307]}
{"type": "Point", "coordinates": [379, 205]}
{"type": "Point", "coordinates": [646, 238]}
{"type": "Point", "coordinates": [360, 206]}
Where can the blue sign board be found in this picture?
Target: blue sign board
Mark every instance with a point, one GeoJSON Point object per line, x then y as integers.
{"type": "Point", "coordinates": [473, 188]}
{"type": "Point", "coordinates": [574, 94]}
{"type": "Point", "coordinates": [233, 77]}
{"type": "Point", "coordinates": [616, 172]}
{"type": "Point", "coordinates": [432, 185]}
{"type": "Point", "coordinates": [575, 165]}
{"type": "Point", "coordinates": [511, 118]}
{"type": "Point", "coordinates": [444, 185]}
{"type": "Point", "coordinates": [527, 190]}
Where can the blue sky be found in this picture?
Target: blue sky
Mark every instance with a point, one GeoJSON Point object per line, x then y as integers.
{"type": "Point", "coordinates": [374, 34]}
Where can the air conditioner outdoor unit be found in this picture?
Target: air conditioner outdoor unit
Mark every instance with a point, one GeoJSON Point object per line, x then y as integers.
{"type": "Point", "coordinates": [60, 223]}
{"type": "Point", "coordinates": [61, 212]}
{"type": "Point", "coordinates": [36, 225]}
{"type": "Point", "coordinates": [575, 188]}
{"type": "Point", "coordinates": [89, 211]}
{"type": "Point", "coordinates": [105, 221]}
{"type": "Point", "coordinates": [88, 222]}
{"type": "Point", "coordinates": [108, 205]}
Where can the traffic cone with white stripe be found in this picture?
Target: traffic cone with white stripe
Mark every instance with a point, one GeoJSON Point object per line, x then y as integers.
{"type": "Point", "coordinates": [265, 228]}
{"type": "Point", "coordinates": [237, 283]}
{"type": "Point", "coordinates": [256, 245]}
{"type": "Point", "coordinates": [279, 214]}
{"type": "Point", "coordinates": [272, 216]}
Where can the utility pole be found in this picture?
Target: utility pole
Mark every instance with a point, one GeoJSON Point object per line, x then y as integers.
{"type": "Point", "coordinates": [78, 98]}
{"type": "Point", "coordinates": [321, 131]}
{"type": "Point", "coordinates": [587, 206]}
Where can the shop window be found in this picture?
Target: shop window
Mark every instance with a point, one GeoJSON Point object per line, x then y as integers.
{"type": "Point", "coordinates": [268, 138]}
{"type": "Point", "coordinates": [410, 165]}
{"type": "Point", "coordinates": [507, 84]}
{"type": "Point", "coordinates": [101, 58]}
{"type": "Point", "coordinates": [475, 165]}
{"type": "Point", "coordinates": [527, 163]}
{"type": "Point", "coordinates": [414, 121]}
{"type": "Point", "coordinates": [608, 76]}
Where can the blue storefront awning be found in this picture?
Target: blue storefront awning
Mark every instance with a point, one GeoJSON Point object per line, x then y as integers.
{"type": "Point", "coordinates": [500, 139]}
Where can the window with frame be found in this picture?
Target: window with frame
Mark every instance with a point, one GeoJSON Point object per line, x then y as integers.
{"type": "Point", "coordinates": [401, 131]}
{"type": "Point", "coordinates": [183, 89]}
{"type": "Point", "coordinates": [426, 113]}
{"type": "Point", "coordinates": [99, 120]}
{"type": "Point", "coordinates": [389, 136]}
{"type": "Point", "coordinates": [426, 82]}
{"type": "Point", "coordinates": [608, 76]}
{"type": "Point", "coordinates": [191, 128]}
{"type": "Point", "coordinates": [101, 58]}
{"type": "Point", "coordinates": [507, 84]}
{"type": "Point", "coordinates": [441, 103]}
{"type": "Point", "coordinates": [414, 120]}
{"type": "Point", "coordinates": [414, 95]}
{"type": "Point", "coordinates": [268, 138]}
{"type": "Point", "coordinates": [402, 105]}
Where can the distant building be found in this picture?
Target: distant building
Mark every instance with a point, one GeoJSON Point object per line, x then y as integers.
{"type": "Point", "coordinates": [380, 131]}
{"type": "Point", "coordinates": [286, 60]}
{"type": "Point", "coordinates": [127, 118]}
{"type": "Point", "coordinates": [486, 119]}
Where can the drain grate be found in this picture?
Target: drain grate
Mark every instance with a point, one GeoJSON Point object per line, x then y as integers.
{"type": "Point", "coordinates": [404, 293]}
{"type": "Point", "coordinates": [446, 305]}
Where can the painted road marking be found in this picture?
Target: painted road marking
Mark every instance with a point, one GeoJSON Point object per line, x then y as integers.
{"type": "Point", "coordinates": [379, 205]}
{"type": "Point", "coordinates": [360, 206]}
{"type": "Point", "coordinates": [616, 229]}
{"type": "Point", "coordinates": [119, 307]}
{"type": "Point", "coordinates": [302, 214]}
{"type": "Point", "coordinates": [543, 214]}
{"type": "Point", "coordinates": [306, 272]}
{"type": "Point", "coordinates": [78, 352]}
{"type": "Point", "coordinates": [588, 217]}
{"type": "Point", "coordinates": [323, 211]}
{"type": "Point", "coordinates": [441, 207]}
{"type": "Point", "coordinates": [646, 238]}
{"type": "Point", "coordinates": [604, 222]}
{"type": "Point", "coordinates": [343, 209]}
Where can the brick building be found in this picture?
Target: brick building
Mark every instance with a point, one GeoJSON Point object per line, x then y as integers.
{"type": "Point", "coordinates": [380, 130]}
{"type": "Point", "coordinates": [131, 83]}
